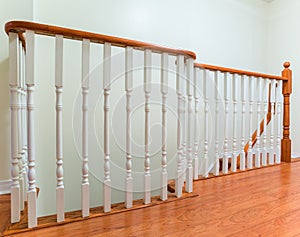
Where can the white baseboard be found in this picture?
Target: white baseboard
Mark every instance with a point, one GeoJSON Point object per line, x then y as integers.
{"type": "Point", "coordinates": [295, 155]}
{"type": "Point", "coordinates": [5, 186]}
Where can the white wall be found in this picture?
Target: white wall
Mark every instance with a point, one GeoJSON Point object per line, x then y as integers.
{"type": "Point", "coordinates": [283, 44]}
{"type": "Point", "coordinates": [8, 11]}
{"type": "Point", "coordinates": [230, 32]}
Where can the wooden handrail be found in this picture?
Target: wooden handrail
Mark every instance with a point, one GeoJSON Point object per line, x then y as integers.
{"type": "Point", "coordinates": [240, 72]}
{"type": "Point", "coordinates": [42, 29]}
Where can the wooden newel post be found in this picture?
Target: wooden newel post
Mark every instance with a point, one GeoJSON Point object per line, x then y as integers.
{"type": "Point", "coordinates": [286, 91]}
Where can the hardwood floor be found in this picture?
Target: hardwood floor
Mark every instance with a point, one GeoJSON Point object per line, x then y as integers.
{"type": "Point", "coordinates": [4, 212]}
{"type": "Point", "coordinates": [263, 202]}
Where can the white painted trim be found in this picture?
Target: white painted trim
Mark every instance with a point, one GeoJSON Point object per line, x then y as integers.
{"type": "Point", "coordinates": [5, 186]}
{"type": "Point", "coordinates": [295, 155]}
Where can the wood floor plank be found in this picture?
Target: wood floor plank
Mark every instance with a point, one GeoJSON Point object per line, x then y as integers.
{"type": "Point", "coordinates": [263, 202]}
{"type": "Point", "coordinates": [74, 216]}
{"type": "Point", "coordinates": [4, 212]}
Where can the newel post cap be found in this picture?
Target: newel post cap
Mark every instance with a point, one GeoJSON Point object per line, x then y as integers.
{"type": "Point", "coordinates": [287, 84]}
{"type": "Point", "coordinates": [287, 64]}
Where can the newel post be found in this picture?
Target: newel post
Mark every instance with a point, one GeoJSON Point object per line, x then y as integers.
{"type": "Point", "coordinates": [286, 91]}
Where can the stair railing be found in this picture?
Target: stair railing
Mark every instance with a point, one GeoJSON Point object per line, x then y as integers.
{"type": "Point", "coordinates": [249, 90]}
{"type": "Point", "coordinates": [23, 33]}
{"type": "Point", "coordinates": [231, 87]}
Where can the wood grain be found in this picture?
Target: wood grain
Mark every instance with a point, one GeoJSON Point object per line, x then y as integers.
{"type": "Point", "coordinates": [49, 30]}
{"type": "Point", "coordinates": [74, 216]}
{"type": "Point", "coordinates": [263, 202]}
{"type": "Point", "coordinates": [286, 143]}
{"type": "Point", "coordinates": [4, 212]}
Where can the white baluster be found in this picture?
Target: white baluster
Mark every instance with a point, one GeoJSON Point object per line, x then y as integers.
{"type": "Point", "coordinates": [24, 130]}
{"type": "Point", "coordinates": [272, 122]}
{"type": "Point", "coordinates": [251, 102]}
{"type": "Point", "coordinates": [20, 151]}
{"type": "Point", "coordinates": [257, 145]}
{"type": "Point", "coordinates": [179, 91]}
{"type": "Point", "coordinates": [147, 90]}
{"type": "Point", "coordinates": [30, 82]}
{"type": "Point", "coordinates": [216, 169]}
{"type": "Point", "coordinates": [183, 131]}
{"type": "Point", "coordinates": [243, 127]}
{"type": "Point", "coordinates": [196, 124]}
{"type": "Point", "coordinates": [265, 101]}
{"type": "Point", "coordinates": [189, 91]}
{"type": "Point", "coordinates": [128, 88]}
{"type": "Point", "coordinates": [25, 164]}
{"type": "Point", "coordinates": [13, 83]}
{"type": "Point", "coordinates": [24, 149]}
{"type": "Point", "coordinates": [234, 143]}
{"type": "Point", "coordinates": [279, 122]}
{"type": "Point", "coordinates": [106, 87]}
{"type": "Point", "coordinates": [205, 95]}
{"type": "Point", "coordinates": [85, 189]}
{"type": "Point", "coordinates": [60, 196]}
{"type": "Point", "coordinates": [226, 124]}
{"type": "Point", "coordinates": [20, 129]}
{"type": "Point", "coordinates": [164, 92]}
